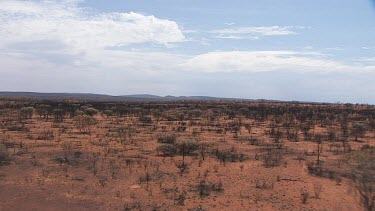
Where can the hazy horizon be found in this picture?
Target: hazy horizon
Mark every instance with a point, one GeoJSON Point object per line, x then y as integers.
{"type": "Point", "coordinates": [291, 50]}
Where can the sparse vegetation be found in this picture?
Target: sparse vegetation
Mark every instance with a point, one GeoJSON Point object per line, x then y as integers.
{"type": "Point", "coordinates": [181, 152]}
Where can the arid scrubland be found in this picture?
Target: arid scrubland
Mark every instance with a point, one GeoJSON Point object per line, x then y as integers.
{"type": "Point", "coordinates": [185, 155]}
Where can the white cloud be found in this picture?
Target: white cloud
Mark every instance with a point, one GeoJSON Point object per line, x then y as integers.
{"type": "Point", "coordinates": [367, 59]}
{"type": "Point", "coordinates": [368, 48]}
{"type": "Point", "coordinates": [262, 61]}
{"type": "Point", "coordinates": [80, 28]}
{"type": "Point", "coordinates": [254, 33]}
{"type": "Point", "coordinates": [45, 37]}
{"type": "Point", "coordinates": [334, 49]}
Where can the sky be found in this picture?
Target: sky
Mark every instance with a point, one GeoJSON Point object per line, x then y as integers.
{"type": "Point", "coordinates": [321, 50]}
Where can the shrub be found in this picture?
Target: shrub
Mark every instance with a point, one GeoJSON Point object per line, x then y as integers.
{"type": "Point", "coordinates": [145, 120]}
{"type": "Point", "coordinates": [4, 156]}
{"type": "Point", "coordinates": [229, 155]}
{"type": "Point", "coordinates": [264, 184]}
{"type": "Point", "coordinates": [320, 171]}
{"type": "Point", "coordinates": [58, 115]}
{"type": "Point", "coordinates": [367, 147]}
{"type": "Point", "coordinates": [358, 130]}
{"type": "Point", "coordinates": [26, 112]}
{"type": "Point", "coordinates": [218, 187]}
{"type": "Point", "coordinates": [186, 147]}
{"type": "Point", "coordinates": [363, 176]}
{"type": "Point", "coordinates": [205, 188]}
{"type": "Point", "coordinates": [304, 196]}
{"type": "Point", "coordinates": [83, 122]}
{"type": "Point", "coordinates": [46, 135]}
{"type": "Point", "coordinates": [182, 167]}
{"type": "Point", "coordinates": [317, 190]}
{"type": "Point", "coordinates": [168, 139]}
{"type": "Point", "coordinates": [108, 112]}
{"type": "Point", "coordinates": [18, 128]}
{"type": "Point", "coordinates": [273, 158]}
{"type": "Point", "coordinates": [167, 150]}
{"type": "Point", "coordinates": [91, 111]}
{"type": "Point", "coordinates": [180, 199]}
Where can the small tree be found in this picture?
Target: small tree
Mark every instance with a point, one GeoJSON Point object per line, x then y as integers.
{"type": "Point", "coordinates": [91, 111]}
{"type": "Point", "coordinates": [319, 141]}
{"type": "Point", "coordinates": [58, 115]}
{"type": "Point", "coordinates": [26, 112]}
{"type": "Point", "coordinates": [186, 147]}
{"type": "Point", "coordinates": [364, 178]}
{"type": "Point", "coordinates": [168, 150]}
{"type": "Point", "coordinates": [358, 130]}
{"type": "Point", "coordinates": [83, 122]}
{"type": "Point", "coordinates": [44, 111]}
{"type": "Point", "coordinates": [145, 120]}
{"type": "Point", "coordinates": [344, 124]}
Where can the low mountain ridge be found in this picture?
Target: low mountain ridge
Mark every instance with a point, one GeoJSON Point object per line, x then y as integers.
{"type": "Point", "coordinates": [135, 97]}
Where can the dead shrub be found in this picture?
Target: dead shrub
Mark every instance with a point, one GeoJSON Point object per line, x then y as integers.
{"type": "Point", "coordinates": [4, 155]}
{"type": "Point", "coordinates": [205, 188]}
{"type": "Point", "coordinates": [304, 196]}
{"type": "Point", "coordinates": [317, 190]}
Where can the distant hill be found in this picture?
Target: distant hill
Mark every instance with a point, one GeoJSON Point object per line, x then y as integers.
{"type": "Point", "coordinates": [137, 97]}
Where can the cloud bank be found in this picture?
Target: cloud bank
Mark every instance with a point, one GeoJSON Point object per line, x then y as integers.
{"type": "Point", "coordinates": [264, 61]}
{"type": "Point", "coordinates": [80, 28]}
{"type": "Point", "coordinates": [63, 33]}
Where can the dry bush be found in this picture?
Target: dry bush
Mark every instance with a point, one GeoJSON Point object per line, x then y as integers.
{"type": "Point", "coordinates": [358, 130]}
{"type": "Point", "coordinates": [230, 155]}
{"type": "Point", "coordinates": [114, 168]}
{"type": "Point", "coordinates": [4, 155]}
{"type": "Point", "coordinates": [363, 176]}
{"type": "Point", "coordinates": [273, 157]}
{"type": "Point", "coordinates": [205, 188]}
{"type": "Point", "coordinates": [46, 135]}
{"type": "Point", "coordinates": [145, 178]}
{"type": "Point", "coordinates": [182, 166]}
{"type": "Point", "coordinates": [26, 112]}
{"type": "Point", "coordinates": [168, 139]}
{"type": "Point", "coordinates": [304, 196]}
{"type": "Point", "coordinates": [186, 147]}
{"type": "Point", "coordinates": [264, 184]}
{"type": "Point", "coordinates": [16, 127]}
{"type": "Point", "coordinates": [83, 123]}
{"type": "Point", "coordinates": [103, 181]}
{"type": "Point", "coordinates": [317, 190]}
{"type": "Point", "coordinates": [181, 197]}
{"type": "Point", "coordinates": [320, 170]}
{"type": "Point", "coordinates": [167, 150]}
{"type": "Point", "coordinates": [145, 120]}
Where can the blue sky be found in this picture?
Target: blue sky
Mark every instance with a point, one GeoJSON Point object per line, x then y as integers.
{"type": "Point", "coordinates": [322, 50]}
